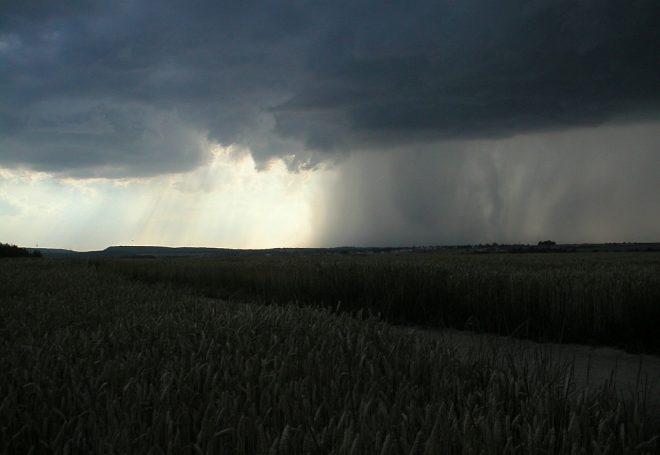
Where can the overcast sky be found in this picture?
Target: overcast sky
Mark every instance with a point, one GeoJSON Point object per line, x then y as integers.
{"type": "Point", "coordinates": [302, 123]}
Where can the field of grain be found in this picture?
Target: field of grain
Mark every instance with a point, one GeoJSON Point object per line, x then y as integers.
{"type": "Point", "coordinates": [126, 357]}
{"type": "Point", "coordinates": [598, 298]}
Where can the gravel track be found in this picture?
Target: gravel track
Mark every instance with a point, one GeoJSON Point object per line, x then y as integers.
{"type": "Point", "coordinates": [592, 366]}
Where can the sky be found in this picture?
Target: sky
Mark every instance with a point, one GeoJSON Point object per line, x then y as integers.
{"type": "Point", "coordinates": [256, 124]}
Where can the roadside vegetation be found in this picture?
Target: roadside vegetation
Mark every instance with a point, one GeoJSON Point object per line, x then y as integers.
{"type": "Point", "coordinates": [93, 362]}
{"type": "Point", "coordinates": [598, 298]}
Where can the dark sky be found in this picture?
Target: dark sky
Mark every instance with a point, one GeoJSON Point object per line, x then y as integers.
{"type": "Point", "coordinates": [136, 88]}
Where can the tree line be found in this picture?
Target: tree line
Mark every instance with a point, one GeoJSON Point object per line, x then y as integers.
{"type": "Point", "coordinates": [13, 251]}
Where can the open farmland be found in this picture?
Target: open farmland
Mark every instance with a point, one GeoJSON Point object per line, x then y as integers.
{"type": "Point", "coordinates": [94, 362]}
{"type": "Point", "coordinates": [597, 298]}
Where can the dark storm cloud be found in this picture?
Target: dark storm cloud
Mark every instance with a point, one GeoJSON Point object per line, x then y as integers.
{"type": "Point", "coordinates": [137, 87]}
{"type": "Point", "coordinates": [475, 68]}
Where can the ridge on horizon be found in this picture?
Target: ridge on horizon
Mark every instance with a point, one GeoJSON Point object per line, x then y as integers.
{"type": "Point", "coordinates": [162, 250]}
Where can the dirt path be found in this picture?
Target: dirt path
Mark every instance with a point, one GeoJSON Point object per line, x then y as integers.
{"type": "Point", "coordinates": [592, 366]}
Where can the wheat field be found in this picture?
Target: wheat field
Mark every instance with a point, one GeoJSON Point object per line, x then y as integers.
{"type": "Point", "coordinates": [596, 298]}
{"type": "Point", "coordinates": [95, 362]}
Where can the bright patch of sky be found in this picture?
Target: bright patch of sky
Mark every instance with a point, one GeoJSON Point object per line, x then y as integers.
{"type": "Point", "coordinates": [225, 203]}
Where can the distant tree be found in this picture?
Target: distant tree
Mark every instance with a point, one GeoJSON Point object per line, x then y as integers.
{"type": "Point", "coordinates": [13, 251]}
{"type": "Point", "coordinates": [546, 243]}
{"type": "Point", "coordinates": [37, 254]}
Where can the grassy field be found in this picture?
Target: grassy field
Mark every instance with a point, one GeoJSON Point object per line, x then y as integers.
{"type": "Point", "coordinates": [93, 362]}
{"type": "Point", "coordinates": [600, 298]}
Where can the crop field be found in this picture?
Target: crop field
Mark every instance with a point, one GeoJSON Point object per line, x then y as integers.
{"type": "Point", "coordinates": [139, 356]}
{"type": "Point", "coordinates": [599, 298]}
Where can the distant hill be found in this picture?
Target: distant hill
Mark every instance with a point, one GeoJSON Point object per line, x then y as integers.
{"type": "Point", "coordinates": [123, 251]}
{"type": "Point", "coordinates": [53, 252]}
{"type": "Point", "coordinates": [164, 251]}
